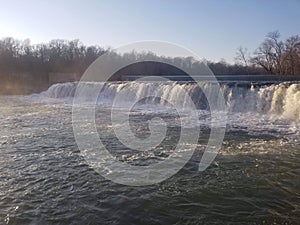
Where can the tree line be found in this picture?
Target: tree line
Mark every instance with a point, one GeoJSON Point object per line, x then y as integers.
{"type": "Point", "coordinates": [55, 56]}
{"type": "Point", "coordinates": [74, 57]}
{"type": "Point", "coordinates": [273, 56]}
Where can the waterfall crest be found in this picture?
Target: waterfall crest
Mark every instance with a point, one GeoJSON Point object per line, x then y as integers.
{"type": "Point", "coordinates": [278, 99]}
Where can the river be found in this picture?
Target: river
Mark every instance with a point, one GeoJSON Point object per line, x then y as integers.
{"type": "Point", "coordinates": [44, 179]}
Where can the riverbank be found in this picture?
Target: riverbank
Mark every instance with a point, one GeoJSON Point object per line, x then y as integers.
{"type": "Point", "coordinates": [29, 83]}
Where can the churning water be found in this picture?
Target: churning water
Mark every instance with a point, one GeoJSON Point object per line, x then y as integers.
{"type": "Point", "coordinates": [254, 179]}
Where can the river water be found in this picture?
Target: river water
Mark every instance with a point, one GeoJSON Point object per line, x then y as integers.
{"type": "Point", "coordinates": [254, 179]}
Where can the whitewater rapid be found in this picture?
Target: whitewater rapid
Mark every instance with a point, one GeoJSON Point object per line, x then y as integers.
{"type": "Point", "coordinates": [279, 100]}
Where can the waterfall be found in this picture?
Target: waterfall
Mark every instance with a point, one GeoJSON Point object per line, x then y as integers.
{"type": "Point", "coordinates": [278, 99]}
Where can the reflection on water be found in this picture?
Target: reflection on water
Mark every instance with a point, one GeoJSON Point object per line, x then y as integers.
{"type": "Point", "coordinates": [45, 180]}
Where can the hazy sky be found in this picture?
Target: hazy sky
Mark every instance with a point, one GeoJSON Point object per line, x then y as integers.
{"type": "Point", "coordinates": [211, 28]}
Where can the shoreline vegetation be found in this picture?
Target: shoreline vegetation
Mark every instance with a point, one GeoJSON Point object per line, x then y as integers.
{"type": "Point", "coordinates": [27, 68]}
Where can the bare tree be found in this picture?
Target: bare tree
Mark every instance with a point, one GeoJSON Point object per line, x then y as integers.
{"type": "Point", "coordinates": [291, 57]}
{"type": "Point", "coordinates": [242, 56]}
{"type": "Point", "coordinates": [278, 57]}
{"type": "Point", "coordinates": [269, 54]}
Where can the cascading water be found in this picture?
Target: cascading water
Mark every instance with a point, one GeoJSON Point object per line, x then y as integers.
{"type": "Point", "coordinates": [281, 99]}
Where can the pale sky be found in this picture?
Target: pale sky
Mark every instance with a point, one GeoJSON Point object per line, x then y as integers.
{"type": "Point", "coordinates": [213, 29]}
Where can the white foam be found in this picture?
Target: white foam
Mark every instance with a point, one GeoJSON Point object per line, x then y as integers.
{"type": "Point", "coordinates": [280, 101]}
